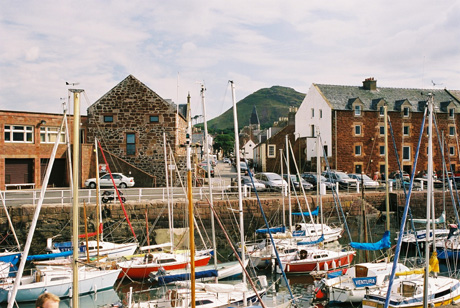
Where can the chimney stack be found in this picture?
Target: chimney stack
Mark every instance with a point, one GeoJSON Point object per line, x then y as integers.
{"type": "Point", "coordinates": [370, 84]}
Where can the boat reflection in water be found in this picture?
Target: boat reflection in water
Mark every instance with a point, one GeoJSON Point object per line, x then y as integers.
{"type": "Point", "coordinates": [106, 298]}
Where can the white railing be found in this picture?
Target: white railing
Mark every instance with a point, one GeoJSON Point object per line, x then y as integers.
{"type": "Point", "coordinates": [64, 196]}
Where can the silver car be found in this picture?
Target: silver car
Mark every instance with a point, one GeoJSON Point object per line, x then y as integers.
{"type": "Point", "coordinates": [272, 181]}
{"type": "Point", "coordinates": [120, 180]}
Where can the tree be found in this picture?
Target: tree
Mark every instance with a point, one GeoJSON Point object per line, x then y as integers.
{"type": "Point", "coordinates": [226, 142]}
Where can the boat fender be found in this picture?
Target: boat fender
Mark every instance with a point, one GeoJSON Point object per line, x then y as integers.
{"type": "Point", "coordinates": [333, 264]}
{"type": "Point", "coordinates": [326, 266]}
{"type": "Point", "coordinates": [303, 254]}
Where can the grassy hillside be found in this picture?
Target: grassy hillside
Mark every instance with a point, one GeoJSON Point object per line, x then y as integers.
{"type": "Point", "coordinates": [271, 103]}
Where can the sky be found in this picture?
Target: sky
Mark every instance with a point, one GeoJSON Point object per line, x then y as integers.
{"type": "Point", "coordinates": [175, 46]}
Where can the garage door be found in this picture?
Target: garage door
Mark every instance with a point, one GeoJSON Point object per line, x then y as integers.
{"type": "Point", "coordinates": [19, 171]}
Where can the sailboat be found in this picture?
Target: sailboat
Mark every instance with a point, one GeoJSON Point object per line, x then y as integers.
{"type": "Point", "coordinates": [63, 282]}
{"type": "Point", "coordinates": [418, 288]}
{"type": "Point", "coordinates": [208, 295]}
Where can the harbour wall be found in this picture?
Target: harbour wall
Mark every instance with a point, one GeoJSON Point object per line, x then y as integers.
{"type": "Point", "coordinates": [55, 220]}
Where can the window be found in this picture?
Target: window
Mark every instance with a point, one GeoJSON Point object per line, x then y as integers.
{"type": "Point", "coordinates": [357, 150]}
{"type": "Point", "coordinates": [357, 129]}
{"type": "Point", "coordinates": [406, 153]}
{"type": "Point", "coordinates": [406, 130]}
{"type": "Point", "coordinates": [108, 119]}
{"type": "Point", "coordinates": [154, 119]}
{"type": "Point", "coordinates": [131, 144]}
{"type": "Point", "coordinates": [19, 133]}
{"type": "Point", "coordinates": [451, 113]}
{"type": "Point", "coordinates": [358, 169]}
{"type": "Point", "coordinates": [451, 130]}
{"type": "Point", "coordinates": [381, 111]}
{"type": "Point", "coordinates": [382, 150]}
{"type": "Point", "coordinates": [357, 110]}
{"type": "Point", "coordinates": [271, 151]}
{"type": "Point", "coordinates": [406, 112]}
{"type": "Point", "coordinates": [382, 130]}
{"type": "Point", "coordinates": [321, 113]}
{"type": "Point", "coordinates": [312, 112]}
{"type": "Point", "coordinates": [451, 151]}
{"type": "Point", "coordinates": [49, 135]}
{"type": "Point", "coordinates": [313, 130]}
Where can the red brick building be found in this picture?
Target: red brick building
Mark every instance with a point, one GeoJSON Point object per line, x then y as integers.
{"type": "Point", "coordinates": [351, 123]}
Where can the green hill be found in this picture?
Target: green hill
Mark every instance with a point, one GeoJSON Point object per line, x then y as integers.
{"type": "Point", "coordinates": [271, 103]}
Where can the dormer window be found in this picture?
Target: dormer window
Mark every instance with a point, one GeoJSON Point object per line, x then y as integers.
{"type": "Point", "coordinates": [451, 113]}
{"type": "Point", "coordinates": [357, 110]}
{"type": "Point", "coordinates": [406, 112]}
{"type": "Point", "coordinates": [381, 111]}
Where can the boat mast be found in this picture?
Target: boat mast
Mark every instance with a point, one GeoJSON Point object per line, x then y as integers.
{"type": "Point", "coordinates": [99, 233]}
{"type": "Point", "coordinates": [170, 215]}
{"type": "Point", "coordinates": [288, 188]}
{"type": "Point", "coordinates": [240, 195]}
{"type": "Point", "coordinates": [76, 172]}
{"type": "Point", "coordinates": [190, 203]}
{"type": "Point", "coordinates": [206, 146]}
{"type": "Point", "coordinates": [387, 182]}
{"type": "Point", "coordinates": [428, 201]}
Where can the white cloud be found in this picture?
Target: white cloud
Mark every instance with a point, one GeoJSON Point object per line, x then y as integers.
{"type": "Point", "coordinates": [255, 43]}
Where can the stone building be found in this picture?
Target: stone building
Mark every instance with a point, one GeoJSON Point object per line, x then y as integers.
{"type": "Point", "coordinates": [350, 120]}
{"type": "Point", "coordinates": [130, 121]}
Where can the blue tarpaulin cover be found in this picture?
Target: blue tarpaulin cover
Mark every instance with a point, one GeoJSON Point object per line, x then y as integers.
{"type": "Point", "coordinates": [50, 256]}
{"type": "Point", "coordinates": [181, 277]}
{"type": "Point", "coordinates": [313, 213]}
{"type": "Point", "coordinates": [382, 244]}
{"type": "Point", "coordinates": [272, 230]}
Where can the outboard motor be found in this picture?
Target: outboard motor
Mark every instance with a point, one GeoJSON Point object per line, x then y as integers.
{"type": "Point", "coordinates": [321, 290]}
{"type": "Point", "coordinates": [453, 230]}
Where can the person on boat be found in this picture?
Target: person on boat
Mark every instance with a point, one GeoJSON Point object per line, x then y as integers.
{"type": "Point", "coordinates": [47, 300]}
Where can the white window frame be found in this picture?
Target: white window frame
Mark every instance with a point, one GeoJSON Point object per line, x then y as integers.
{"type": "Point", "coordinates": [403, 153]}
{"type": "Point", "coordinates": [48, 134]}
{"type": "Point", "coordinates": [382, 150]}
{"type": "Point", "coordinates": [451, 113]}
{"type": "Point", "coordinates": [452, 151]}
{"type": "Point", "coordinates": [406, 112]}
{"type": "Point", "coordinates": [451, 130]}
{"type": "Point", "coordinates": [381, 111]}
{"type": "Point", "coordinates": [358, 130]}
{"type": "Point", "coordinates": [408, 130]}
{"type": "Point", "coordinates": [380, 130]}
{"type": "Point", "coordinates": [358, 110]}
{"type": "Point", "coordinates": [358, 150]}
{"type": "Point", "coordinates": [27, 132]}
{"type": "Point", "coordinates": [271, 151]}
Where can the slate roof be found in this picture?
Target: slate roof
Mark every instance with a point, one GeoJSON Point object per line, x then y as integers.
{"type": "Point", "coordinates": [342, 97]}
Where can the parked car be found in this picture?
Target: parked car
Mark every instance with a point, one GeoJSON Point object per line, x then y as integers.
{"type": "Point", "coordinates": [243, 168]}
{"type": "Point", "coordinates": [365, 179]}
{"type": "Point", "coordinates": [120, 180]}
{"type": "Point", "coordinates": [227, 160]}
{"type": "Point", "coordinates": [272, 181]}
{"type": "Point", "coordinates": [340, 177]}
{"type": "Point", "coordinates": [311, 177]}
{"type": "Point", "coordinates": [295, 182]}
{"type": "Point", "coordinates": [246, 181]}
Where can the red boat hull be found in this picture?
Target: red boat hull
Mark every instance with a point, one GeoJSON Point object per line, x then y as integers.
{"type": "Point", "coordinates": [306, 266]}
{"type": "Point", "coordinates": [142, 271]}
